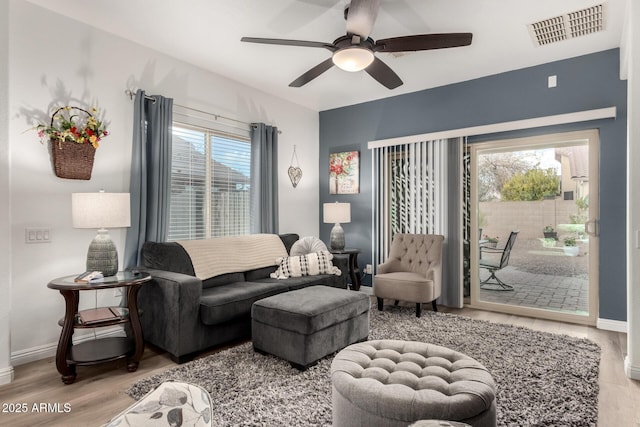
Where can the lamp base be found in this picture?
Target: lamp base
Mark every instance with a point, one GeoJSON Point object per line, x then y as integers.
{"type": "Point", "coordinates": [102, 255]}
{"type": "Point", "coordinates": [336, 239]}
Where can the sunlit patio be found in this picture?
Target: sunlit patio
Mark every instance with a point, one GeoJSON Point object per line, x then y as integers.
{"type": "Point", "coordinates": [543, 277]}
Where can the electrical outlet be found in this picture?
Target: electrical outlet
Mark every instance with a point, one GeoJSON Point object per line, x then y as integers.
{"type": "Point", "coordinates": [368, 269]}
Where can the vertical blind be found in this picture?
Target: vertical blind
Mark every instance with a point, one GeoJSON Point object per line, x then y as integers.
{"type": "Point", "coordinates": [410, 193]}
{"type": "Point", "coordinates": [418, 189]}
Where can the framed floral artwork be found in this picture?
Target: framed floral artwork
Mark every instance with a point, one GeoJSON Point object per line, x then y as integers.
{"type": "Point", "coordinates": [344, 172]}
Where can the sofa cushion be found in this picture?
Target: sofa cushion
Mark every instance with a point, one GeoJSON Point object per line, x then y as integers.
{"type": "Point", "coordinates": [167, 256]}
{"type": "Point", "coordinates": [259, 273]}
{"type": "Point", "coordinates": [223, 279]}
{"type": "Point", "coordinates": [306, 265]}
{"type": "Point", "coordinates": [294, 283]}
{"type": "Point", "coordinates": [288, 240]}
{"type": "Point", "coordinates": [220, 304]}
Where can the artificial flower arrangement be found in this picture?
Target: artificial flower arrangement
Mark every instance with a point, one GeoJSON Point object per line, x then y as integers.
{"type": "Point", "coordinates": [67, 126]}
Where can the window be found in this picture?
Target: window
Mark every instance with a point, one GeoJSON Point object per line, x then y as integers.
{"type": "Point", "coordinates": [210, 176]}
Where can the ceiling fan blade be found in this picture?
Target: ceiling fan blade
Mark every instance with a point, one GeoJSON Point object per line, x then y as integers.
{"type": "Point", "coordinates": [383, 74]}
{"type": "Point", "coordinates": [286, 42]}
{"type": "Point", "coordinates": [361, 17]}
{"type": "Point", "coordinates": [312, 73]}
{"type": "Point", "coordinates": [423, 42]}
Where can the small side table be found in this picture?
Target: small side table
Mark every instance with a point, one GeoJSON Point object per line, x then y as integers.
{"type": "Point", "coordinates": [69, 355]}
{"type": "Point", "coordinates": [354, 270]}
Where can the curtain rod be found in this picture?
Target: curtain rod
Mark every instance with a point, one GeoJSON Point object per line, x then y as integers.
{"type": "Point", "coordinates": [132, 95]}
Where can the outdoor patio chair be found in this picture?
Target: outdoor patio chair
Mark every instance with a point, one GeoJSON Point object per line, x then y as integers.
{"type": "Point", "coordinates": [498, 259]}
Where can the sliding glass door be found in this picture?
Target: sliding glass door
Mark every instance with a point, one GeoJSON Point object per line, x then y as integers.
{"type": "Point", "coordinates": [533, 235]}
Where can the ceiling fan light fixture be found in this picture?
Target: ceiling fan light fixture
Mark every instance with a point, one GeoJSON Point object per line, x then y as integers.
{"type": "Point", "coordinates": [353, 58]}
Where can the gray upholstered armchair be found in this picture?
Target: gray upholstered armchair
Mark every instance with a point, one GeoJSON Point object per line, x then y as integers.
{"type": "Point", "coordinates": [413, 271]}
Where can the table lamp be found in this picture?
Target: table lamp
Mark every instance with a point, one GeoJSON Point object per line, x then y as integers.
{"type": "Point", "coordinates": [101, 210]}
{"type": "Point", "coordinates": [337, 213]}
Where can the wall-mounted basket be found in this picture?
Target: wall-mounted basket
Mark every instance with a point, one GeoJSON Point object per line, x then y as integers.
{"type": "Point", "coordinates": [74, 134]}
{"type": "Point", "coordinates": [72, 160]}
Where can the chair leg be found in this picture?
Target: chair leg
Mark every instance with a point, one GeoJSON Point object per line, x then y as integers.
{"type": "Point", "coordinates": [396, 302]}
{"type": "Point", "coordinates": [418, 309]}
{"type": "Point", "coordinates": [380, 304]}
{"type": "Point", "coordinates": [435, 307]}
{"type": "Point", "coordinates": [496, 285]}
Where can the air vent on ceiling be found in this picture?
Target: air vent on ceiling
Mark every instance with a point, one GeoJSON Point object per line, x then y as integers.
{"type": "Point", "coordinates": [574, 24]}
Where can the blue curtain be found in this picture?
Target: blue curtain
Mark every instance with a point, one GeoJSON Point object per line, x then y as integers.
{"type": "Point", "coordinates": [264, 178]}
{"type": "Point", "coordinates": [150, 174]}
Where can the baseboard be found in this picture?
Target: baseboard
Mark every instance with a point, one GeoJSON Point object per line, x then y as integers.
{"type": "Point", "coordinates": [632, 372]}
{"type": "Point", "coordinates": [33, 354]}
{"type": "Point", "coordinates": [612, 325]}
{"type": "Point", "coordinates": [6, 375]}
{"type": "Point", "coordinates": [49, 350]}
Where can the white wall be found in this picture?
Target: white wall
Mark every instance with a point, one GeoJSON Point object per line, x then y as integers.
{"type": "Point", "coordinates": [6, 371]}
{"type": "Point", "coordinates": [632, 362]}
{"type": "Point", "coordinates": [57, 61]}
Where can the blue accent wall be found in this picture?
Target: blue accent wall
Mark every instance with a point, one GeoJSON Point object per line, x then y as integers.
{"type": "Point", "coordinates": [584, 83]}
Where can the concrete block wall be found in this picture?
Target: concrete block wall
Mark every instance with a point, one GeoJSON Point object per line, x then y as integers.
{"type": "Point", "coordinates": [528, 217]}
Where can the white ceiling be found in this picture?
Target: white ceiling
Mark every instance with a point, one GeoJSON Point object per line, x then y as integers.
{"type": "Point", "coordinates": [207, 33]}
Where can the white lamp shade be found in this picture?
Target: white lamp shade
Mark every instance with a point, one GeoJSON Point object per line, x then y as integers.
{"type": "Point", "coordinates": [336, 213]}
{"type": "Point", "coordinates": [100, 210]}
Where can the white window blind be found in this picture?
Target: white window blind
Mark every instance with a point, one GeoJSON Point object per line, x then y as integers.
{"type": "Point", "coordinates": [210, 175]}
{"type": "Point", "coordinates": [410, 192]}
{"type": "Point", "coordinates": [417, 190]}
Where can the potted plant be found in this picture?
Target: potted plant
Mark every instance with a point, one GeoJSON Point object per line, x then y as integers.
{"type": "Point", "coordinates": [570, 247]}
{"type": "Point", "coordinates": [550, 233]}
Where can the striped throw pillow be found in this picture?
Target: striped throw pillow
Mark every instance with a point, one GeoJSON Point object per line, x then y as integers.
{"type": "Point", "coordinates": [306, 265]}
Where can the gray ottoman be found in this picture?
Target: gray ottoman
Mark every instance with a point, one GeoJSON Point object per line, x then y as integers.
{"type": "Point", "coordinates": [305, 325]}
{"type": "Point", "coordinates": [396, 383]}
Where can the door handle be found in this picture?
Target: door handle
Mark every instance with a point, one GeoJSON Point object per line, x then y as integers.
{"type": "Point", "coordinates": [591, 227]}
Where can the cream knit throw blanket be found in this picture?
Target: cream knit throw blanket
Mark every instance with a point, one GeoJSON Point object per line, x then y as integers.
{"type": "Point", "coordinates": [213, 257]}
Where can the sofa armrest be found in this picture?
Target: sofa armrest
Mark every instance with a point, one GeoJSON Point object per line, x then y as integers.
{"type": "Point", "coordinates": [170, 304]}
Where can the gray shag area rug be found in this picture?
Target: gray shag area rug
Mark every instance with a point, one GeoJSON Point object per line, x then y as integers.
{"type": "Point", "coordinates": [542, 379]}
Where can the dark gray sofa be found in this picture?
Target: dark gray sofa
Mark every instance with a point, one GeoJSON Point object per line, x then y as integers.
{"type": "Point", "coordinates": [185, 315]}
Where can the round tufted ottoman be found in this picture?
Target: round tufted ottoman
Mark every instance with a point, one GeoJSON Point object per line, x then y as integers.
{"type": "Point", "coordinates": [395, 383]}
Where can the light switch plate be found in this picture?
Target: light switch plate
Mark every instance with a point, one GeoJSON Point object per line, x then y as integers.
{"type": "Point", "coordinates": [37, 235]}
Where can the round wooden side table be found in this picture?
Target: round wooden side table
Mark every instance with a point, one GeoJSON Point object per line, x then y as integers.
{"type": "Point", "coordinates": [100, 350]}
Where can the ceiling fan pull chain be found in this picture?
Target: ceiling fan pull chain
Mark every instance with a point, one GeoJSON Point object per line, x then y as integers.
{"type": "Point", "coordinates": [295, 173]}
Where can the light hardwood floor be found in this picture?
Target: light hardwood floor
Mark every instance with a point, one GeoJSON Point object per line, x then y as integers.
{"type": "Point", "coordinates": [99, 391]}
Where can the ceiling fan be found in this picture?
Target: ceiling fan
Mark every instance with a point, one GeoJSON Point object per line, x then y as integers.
{"type": "Point", "coordinates": [355, 51]}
